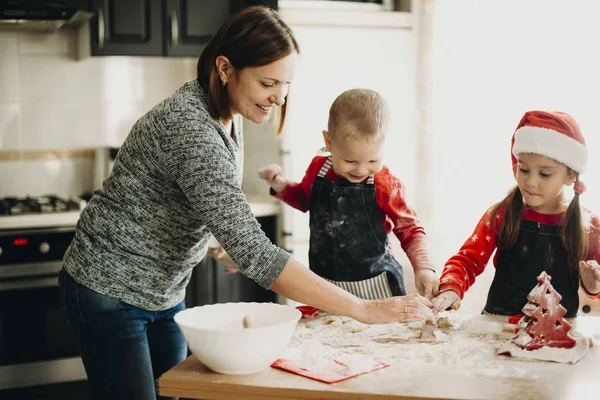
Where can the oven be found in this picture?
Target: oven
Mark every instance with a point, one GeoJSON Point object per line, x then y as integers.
{"type": "Point", "coordinates": [36, 346]}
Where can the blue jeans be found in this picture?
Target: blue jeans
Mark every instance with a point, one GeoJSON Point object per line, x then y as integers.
{"type": "Point", "coordinates": [124, 348]}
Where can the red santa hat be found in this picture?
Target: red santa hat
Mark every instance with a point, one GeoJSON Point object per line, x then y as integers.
{"type": "Point", "coordinates": [555, 135]}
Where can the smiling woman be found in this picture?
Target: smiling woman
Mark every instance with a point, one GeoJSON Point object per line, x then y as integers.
{"type": "Point", "coordinates": [248, 71]}
{"type": "Point", "coordinates": [254, 91]}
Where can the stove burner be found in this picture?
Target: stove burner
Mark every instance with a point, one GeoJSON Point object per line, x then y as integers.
{"type": "Point", "coordinates": [36, 205]}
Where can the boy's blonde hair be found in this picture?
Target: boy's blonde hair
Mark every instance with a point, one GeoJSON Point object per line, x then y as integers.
{"type": "Point", "coordinates": [361, 113]}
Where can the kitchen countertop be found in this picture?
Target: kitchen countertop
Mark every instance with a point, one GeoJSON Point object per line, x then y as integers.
{"type": "Point", "coordinates": [465, 367]}
{"type": "Point", "coordinates": [263, 206]}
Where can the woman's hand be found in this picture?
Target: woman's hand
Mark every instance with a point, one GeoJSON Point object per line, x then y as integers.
{"type": "Point", "coordinates": [412, 307]}
{"type": "Point", "coordinates": [221, 256]}
{"type": "Point", "coordinates": [589, 271]}
{"type": "Point", "coordinates": [273, 175]}
{"type": "Point", "coordinates": [427, 283]}
{"type": "Point", "coordinates": [445, 300]}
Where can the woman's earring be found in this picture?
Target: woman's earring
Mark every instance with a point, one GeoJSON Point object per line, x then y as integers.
{"type": "Point", "coordinates": [224, 83]}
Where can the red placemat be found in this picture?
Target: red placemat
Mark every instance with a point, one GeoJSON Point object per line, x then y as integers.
{"type": "Point", "coordinates": [331, 372]}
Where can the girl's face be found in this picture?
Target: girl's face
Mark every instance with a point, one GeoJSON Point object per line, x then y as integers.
{"type": "Point", "coordinates": [254, 91]}
{"type": "Point", "coordinates": [541, 181]}
{"type": "Point", "coordinates": [355, 159]}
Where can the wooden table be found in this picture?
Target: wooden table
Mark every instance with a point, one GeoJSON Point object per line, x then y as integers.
{"type": "Point", "coordinates": [469, 376]}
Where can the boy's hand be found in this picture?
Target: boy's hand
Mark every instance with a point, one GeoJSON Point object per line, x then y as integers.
{"type": "Point", "coordinates": [446, 299]}
{"type": "Point", "coordinates": [221, 256]}
{"type": "Point", "coordinates": [427, 283]}
{"type": "Point", "coordinates": [274, 176]}
{"type": "Point", "coordinates": [589, 271]}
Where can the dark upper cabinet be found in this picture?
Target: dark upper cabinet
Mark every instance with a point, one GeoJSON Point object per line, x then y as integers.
{"type": "Point", "coordinates": [211, 284]}
{"type": "Point", "coordinates": [126, 27]}
{"type": "Point", "coordinates": [159, 27]}
{"type": "Point", "coordinates": [191, 24]}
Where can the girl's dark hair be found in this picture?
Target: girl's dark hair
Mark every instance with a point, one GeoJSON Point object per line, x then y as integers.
{"type": "Point", "coordinates": [573, 227]}
{"type": "Point", "coordinates": [252, 37]}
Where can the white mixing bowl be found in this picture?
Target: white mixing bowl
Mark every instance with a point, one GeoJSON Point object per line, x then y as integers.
{"type": "Point", "coordinates": [216, 336]}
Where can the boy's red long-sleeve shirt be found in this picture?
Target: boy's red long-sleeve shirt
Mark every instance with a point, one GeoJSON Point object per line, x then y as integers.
{"type": "Point", "coordinates": [396, 215]}
{"type": "Point", "coordinates": [461, 269]}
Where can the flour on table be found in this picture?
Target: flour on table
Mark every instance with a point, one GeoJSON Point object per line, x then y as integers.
{"type": "Point", "coordinates": [462, 348]}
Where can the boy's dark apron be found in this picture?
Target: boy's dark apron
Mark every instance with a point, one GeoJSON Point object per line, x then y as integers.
{"type": "Point", "coordinates": [539, 248]}
{"type": "Point", "coordinates": [348, 243]}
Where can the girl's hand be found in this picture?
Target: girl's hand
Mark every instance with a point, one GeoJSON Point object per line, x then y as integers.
{"type": "Point", "coordinates": [221, 256]}
{"type": "Point", "coordinates": [412, 307]}
{"type": "Point", "coordinates": [589, 271]}
{"type": "Point", "coordinates": [273, 175]}
{"type": "Point", "coordinates": [445, 300]}
{"type": "Point", "coordinates": [427, 283]}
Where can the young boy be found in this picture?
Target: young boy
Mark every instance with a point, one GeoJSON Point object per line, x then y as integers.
{"type": "Point", "coordinates": [354, 202]}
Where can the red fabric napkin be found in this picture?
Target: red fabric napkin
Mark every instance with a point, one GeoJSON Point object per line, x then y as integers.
{"type": "Point", "coordinates": [332, 372]}
{"type": "Point", "coordinates": [308, 311]}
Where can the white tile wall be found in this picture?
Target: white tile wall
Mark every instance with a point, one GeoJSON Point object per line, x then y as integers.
{"type": "Point", "coordinates": [49, 100]}
{"type": "Point", "coordinates": [8, 43]}
{"type": "Point", "coordinates": [46, 177]}
{"type": "Point", "coordinates": [10, 125]}
{"type": "Point", "coordinates": [261, 147]}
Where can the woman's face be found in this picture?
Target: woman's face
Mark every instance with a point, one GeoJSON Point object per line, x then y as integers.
{"type": "Point", "coordinates": [253, 91]}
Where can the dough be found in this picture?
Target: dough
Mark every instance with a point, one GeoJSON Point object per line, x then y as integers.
{"type": "Point", "coordinates": [543, 333]}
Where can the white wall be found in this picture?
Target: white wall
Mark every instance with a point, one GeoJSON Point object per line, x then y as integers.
{"type": "Point", "coordinates": [50, 101]}
{"type": "Point", "coordinates": [491, 62]}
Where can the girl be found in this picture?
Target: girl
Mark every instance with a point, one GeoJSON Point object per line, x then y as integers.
{"type": "Point", "coordinates": [533, 228]}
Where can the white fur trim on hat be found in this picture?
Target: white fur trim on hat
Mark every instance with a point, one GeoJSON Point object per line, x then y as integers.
{"type": "Point", "coordinates": [552, 144]}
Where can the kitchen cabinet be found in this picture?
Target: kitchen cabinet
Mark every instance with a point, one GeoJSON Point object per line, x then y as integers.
{"type": "Point", "coordinates": [127, 27]}
{"type": "Point", "coordinates": [210, 284]}
{"type": "Point", "coordinates": [191, 24]}
{"type": "Point", "coordinates": [159, 27]}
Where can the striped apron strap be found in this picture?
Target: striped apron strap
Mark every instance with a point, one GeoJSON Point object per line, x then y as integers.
{"type": "Point", "coordinates": [369, 289]}
{"type": "Point", "coordinates": [329, 163]}
{"type": "Point", "coordinates": [325, 168]}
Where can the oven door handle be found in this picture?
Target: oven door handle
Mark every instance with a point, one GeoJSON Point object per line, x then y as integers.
{"type": "Point", "coordinates": [42, 282]}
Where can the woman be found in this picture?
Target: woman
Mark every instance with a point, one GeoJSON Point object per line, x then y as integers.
{"type": "Point", "coordinates": [176, 179]}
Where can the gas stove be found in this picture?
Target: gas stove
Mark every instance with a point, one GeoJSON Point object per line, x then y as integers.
{"type": "Point", "coordinates": [39, 211]}
{"type": "Point", "coordinates": [37, 347]}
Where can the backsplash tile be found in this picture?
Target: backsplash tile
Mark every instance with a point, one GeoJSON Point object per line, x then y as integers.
{"type": "Point", "coordinates": [260, 142]}
{"type": "Point", "coordinates": [51, 101]}
{"type": "Point", "coordinates": [61, 42]}
{"type": "Point", "coordinates": [9, 79]}
{"type": "Point", "coordinates": [46, 177]}
{"type": "Point", "coordinates": [10, 129]}
{"type": "Point", "coordinates": [52, 125]}
{"type": "Point", "coordinates": [117, 120]}
{"type": "Point", "coordinates": [164, 77]}
{"type": "Point", "coordinates": [9, 43]}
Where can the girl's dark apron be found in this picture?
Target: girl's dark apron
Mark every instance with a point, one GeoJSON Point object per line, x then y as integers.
{"type": "Point", "coordinates": [539, 248]}
{"type": "Point", "coordinates": [348, 243]}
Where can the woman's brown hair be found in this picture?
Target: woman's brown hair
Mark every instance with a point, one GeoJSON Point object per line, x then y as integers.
{"type": "Point", "coordinates": [573, 227]}
{"type": "Point", "coordinates": [252, 37]}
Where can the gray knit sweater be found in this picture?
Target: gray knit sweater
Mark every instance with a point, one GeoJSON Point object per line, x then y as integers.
{"type": "Point", "coordinates": [176, 179]}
